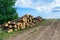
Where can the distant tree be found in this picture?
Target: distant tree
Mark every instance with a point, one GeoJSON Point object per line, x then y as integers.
{"type": "Point", "coordinates": [7, 11]}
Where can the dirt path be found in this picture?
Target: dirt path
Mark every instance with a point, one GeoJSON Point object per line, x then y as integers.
{"type": "Point", "coordinates": [49, 32]}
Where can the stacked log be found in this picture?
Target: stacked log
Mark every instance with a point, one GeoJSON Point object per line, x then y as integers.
{"type": "Point", "coordinates": [10, 26]}
{"type": "Point", "coordinates": [22, 23]}
{"type": "Point", "coordinates": [37, 19]}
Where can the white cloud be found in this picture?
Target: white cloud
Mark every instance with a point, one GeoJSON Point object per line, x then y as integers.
{"type": "Point", "coordinates": [39, 5]}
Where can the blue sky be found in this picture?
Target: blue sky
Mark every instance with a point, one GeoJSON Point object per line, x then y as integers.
{"type": "Point", "coordinates": [44, 8]}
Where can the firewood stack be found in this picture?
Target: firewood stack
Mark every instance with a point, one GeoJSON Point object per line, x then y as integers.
{"type": "Point", "coordinates": [38, 19]}
{"type": "Point", "coordinates": [22, 23]}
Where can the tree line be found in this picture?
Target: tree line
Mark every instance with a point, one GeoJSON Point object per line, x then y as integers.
{"type": "Point", "coordinates": [7, 11]}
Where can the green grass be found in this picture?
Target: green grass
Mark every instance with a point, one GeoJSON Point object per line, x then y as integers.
{"type": "Point", "coordinates": [45, 22]}
{"type": "Point", "coordinates": [4, 34]}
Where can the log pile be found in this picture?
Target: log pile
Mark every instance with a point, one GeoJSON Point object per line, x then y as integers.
{"type": "Point", "coordinates": [21, 23]}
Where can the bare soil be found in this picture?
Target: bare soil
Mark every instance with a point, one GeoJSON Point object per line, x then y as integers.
{"type": "Point", "coordinates": [49, 32]}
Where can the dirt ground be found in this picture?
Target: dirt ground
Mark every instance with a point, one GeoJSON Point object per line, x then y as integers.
{"type": "Point", "coordinates": [49, 32]}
